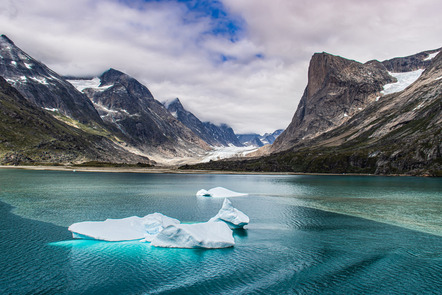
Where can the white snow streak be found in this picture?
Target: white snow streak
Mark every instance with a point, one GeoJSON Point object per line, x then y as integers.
{"type": "Point", "coordinates": [432, 55]}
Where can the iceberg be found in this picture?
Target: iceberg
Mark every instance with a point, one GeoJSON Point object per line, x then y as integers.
{"type": "Point", "coordinates": [219, 192]}
{"type": "Point", "coordinates": [208, 235]}
{"type": "Point", "coordinates": [125, 229]}
{"type": "Point", "coordinates": [233, 217]}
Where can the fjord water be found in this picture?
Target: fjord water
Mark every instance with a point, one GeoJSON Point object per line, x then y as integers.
{"type": "Point", "coordinates": [307, 235]}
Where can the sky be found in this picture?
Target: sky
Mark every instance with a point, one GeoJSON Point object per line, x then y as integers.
{"type": "Point", "coordinates": [240, 62]}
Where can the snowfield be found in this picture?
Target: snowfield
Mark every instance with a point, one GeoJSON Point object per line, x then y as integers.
{"type": "Point", "coordinates": [403, 81]}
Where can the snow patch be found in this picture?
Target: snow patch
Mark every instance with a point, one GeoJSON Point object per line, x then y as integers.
{"type": "Point", "coordinates": [345, 115]}
{"type": "Point", "coordinates": [431, 56]}
{"type": "Point", "coordinates": [14, 63]}
{"type": "Point", "coordinates": [29, 66]}
{"type": "Point", "coordinates": [52, 110]}
{"type": "Point", "coordinates": [40, 80]}
{"type": "Point", "coordinates": [93, 83]}
{"type": "Point", "coordinates": [438, 78]}
{"type": "Point", "coordinates": [174, 114]}
{"type": "Point", "coordinates": [403, 81]}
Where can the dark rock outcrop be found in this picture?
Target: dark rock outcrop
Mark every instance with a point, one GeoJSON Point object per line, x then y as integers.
{"type": "Point", "coordinates": [212, 134]}
{"type": "Point", "coordinates": [410, 63]}
{"type": "Point", "coordinates": [42, 86]}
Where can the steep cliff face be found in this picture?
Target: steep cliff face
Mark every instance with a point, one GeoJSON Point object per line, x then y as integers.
{"type": "Point", "coordinates": [42, 86]}
{"type": "Point", "coordinates": [212, 134]}
{"type": "Point", "coordinates": [337, 89]}
{"type": "Point", "coordinates": [129, 106]}
{"type": "Point", "coordinates": [398, 133]}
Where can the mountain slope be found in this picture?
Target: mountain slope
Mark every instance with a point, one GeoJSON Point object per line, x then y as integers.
{"type": "Point", "coordinates": [401, 133]}
{"type": "Point", "coordinates": [128, 105]}
{"type": "Point", "coordinates": [214, 135]}
{"type": "Point", "coordinates": [337, 88]}
{"type": "Point", "coordinates": [42, 86]}
{"type": "Point", "coordinates": [30, 135]}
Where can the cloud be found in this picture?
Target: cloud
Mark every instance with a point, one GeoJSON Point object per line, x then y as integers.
{"type": "Point", "coordinates": [238, 62]}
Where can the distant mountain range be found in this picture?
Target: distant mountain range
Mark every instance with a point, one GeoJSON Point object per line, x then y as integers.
{"type": "Point", "coordinates": [111, 118]}
{"type": "Point", "coordinates": [378, 117]}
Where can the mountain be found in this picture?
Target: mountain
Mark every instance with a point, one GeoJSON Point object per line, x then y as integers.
{"type": "Point", "coordinates": [398, 132]}
{"type": "Point", "coordinates": [337, 89]}
{"type": "Point", "coordinates": [42, 86]}
{"type": "Point", "coordinates": [146, 124]}
{"type": "Point", "coordinates": [214, 135]}
{"type": "Point", "coordinates": [411, 63]}
{"type": "Point", "coordinates": [254, 139]}
{"type": "Point", "coordinates": [30, 135]}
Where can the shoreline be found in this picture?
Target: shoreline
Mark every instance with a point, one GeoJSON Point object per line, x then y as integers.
{"type": "Point", "coordinates": [172, 170]}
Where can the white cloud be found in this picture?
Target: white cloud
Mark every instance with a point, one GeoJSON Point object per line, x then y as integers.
{"type": "Point", "coordinates": [258, 85]}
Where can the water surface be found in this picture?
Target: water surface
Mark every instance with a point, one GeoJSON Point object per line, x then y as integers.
{"type": "Point", "coordinates": [290, 247]}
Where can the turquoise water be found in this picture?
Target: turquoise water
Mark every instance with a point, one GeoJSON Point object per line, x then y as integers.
{"type": "Point", "coordinates": [307, 235]}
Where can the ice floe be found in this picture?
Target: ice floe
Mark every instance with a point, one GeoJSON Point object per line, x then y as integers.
{"type": "Point", "coordinates": [125, 229]}
{"type": "Point", "coordinates": [164, 231]}
{"type": "Point", "coordinates": [219, 192]}
{"type": "Point", "coordinates": [208, 235]}
{"type": "Point", "coordinates": [231, 216]}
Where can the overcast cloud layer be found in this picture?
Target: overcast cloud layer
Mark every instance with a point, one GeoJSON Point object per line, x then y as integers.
{"type": "Point", "coordinates": [240, 62]}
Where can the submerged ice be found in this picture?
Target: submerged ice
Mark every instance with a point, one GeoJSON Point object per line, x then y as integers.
{"type": "Point", "coordinates": [164, 231]}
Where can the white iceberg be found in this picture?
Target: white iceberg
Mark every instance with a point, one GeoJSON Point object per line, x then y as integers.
{"type": "Point", "coordinates": [197, 235]}
{"type": "Point", "coordinates": [219, 192]}
{"type": "Point", "coordinates": [230, 215]}
{"type": "Point", "coordinates": [125, 229]}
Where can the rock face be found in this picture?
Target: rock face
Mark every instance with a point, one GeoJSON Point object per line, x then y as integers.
{"type": "Point", "coordinates": [337, 88]}
{"type": "Point", "coordinates": [398, 133]}
{"type": "Point", "coordinates": [214, 135]}
{"type": "Point", "coordinates": [42, 86]}
{"type": "Point", "coordinates": [410, 63]}
{"type": "Point", "coordinates": [30, 135]}
{"type": "Point", "coordinates": [129, 106]}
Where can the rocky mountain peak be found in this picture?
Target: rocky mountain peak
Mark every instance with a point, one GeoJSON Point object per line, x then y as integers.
{"type": "Point", "coordinates": [337, 89]}
{"type": "Point", "coordinates": [110, 77]}
{"type": "Point", "coordinates": [5, 39]}
{"type": "Point", "coordinates": [413, 62]}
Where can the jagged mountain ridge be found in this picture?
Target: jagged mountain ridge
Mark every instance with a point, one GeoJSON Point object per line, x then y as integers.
{"type": "Point", "coordinates": [42, 86]}
{"type": "Point", "coordinates": [259, 140]}
{"type": "Point", "coordinates": [30, 135]}
{"type": "Point", "coordinates": [214, 135]}
{"type": "Point", "coordinates": [129, 106]}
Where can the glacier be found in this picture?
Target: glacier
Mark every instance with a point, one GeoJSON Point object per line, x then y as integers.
{"type": "Point", "coordinates": [231, 216]}
{"type": "Point", "coordinates": [219, 192]}
{"type": "Point", "coordinates": [208, 235]}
